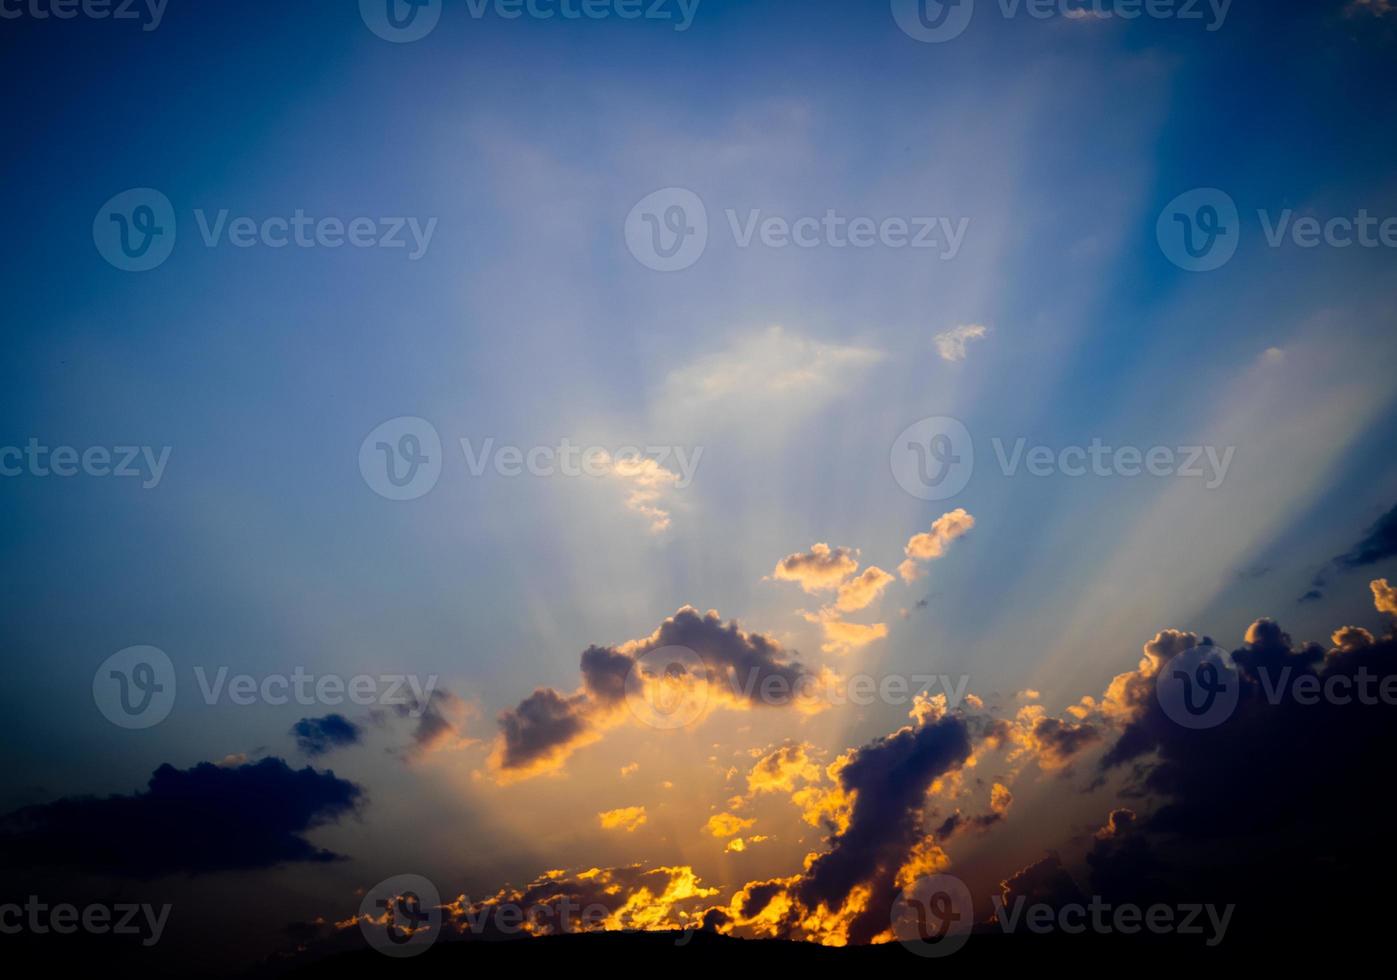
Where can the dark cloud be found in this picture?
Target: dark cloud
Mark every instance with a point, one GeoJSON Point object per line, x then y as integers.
{"type": "Point", "coordinates": [1378, 544]}
{"type": "Point", "coordinates": [891, 777]}
{"type": "Point", "coordinates": [208, 818]}
{"type": "Point", "coordinates": [1276, 804]}
{"type": "Point", "coordinates": [543, 726]}
{"type": "Point", "coordinates": [548, 725]}
{"type": "Point", "coordinates": [316, 736]}
{"type": "Point", "coordinates": [1045, 882]}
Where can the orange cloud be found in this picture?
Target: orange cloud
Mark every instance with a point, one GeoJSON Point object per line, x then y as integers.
{"type": "Point", "coordinates": [626, 818]}
{"type": "Point", "coordinates": [930, 545]}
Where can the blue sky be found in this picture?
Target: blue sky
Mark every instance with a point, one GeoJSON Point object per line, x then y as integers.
{"type": "Point", "coordinates": [527, 320]}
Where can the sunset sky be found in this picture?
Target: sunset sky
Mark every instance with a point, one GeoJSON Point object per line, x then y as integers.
{"type": "Point", "coordinates": [770, 535]}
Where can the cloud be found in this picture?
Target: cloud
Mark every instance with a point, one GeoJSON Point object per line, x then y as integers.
{"type": "Point", "coordinates": [626, 818]}
{"type": "Point", "coordinates": [597, 899]}
{"type": "Point", "coordinates": [820, 569]}
{"type": "Point", "coordinates": [317, 736]}
{"type": "Point", "coordinates": [1378, 544]}
{"type": "Point", "coordinates": [439, 723]}
{"type": "Point", "coordinates": [930, 545]}
{"type": "Point", "coordinates": [844, 894]}
{"type": "Point", "coordinates": [727, 824]}
{"type": "Point", "coordinates": [843, 637]}
{"type": "Point", "coordinates": [739, 669]}
{"type": "Point", "coordinates": [1384, 596]}
{"type": "Point", "coordinates": [951, 344]}
{"type": "Point", "coordinates": [208, 818]}
{"type": "Point", "coordinates": [862, 590]}
{"type": "Point", "coordinates": [647, 486]}
{"type": "Point", "coordinates": [770, 375]}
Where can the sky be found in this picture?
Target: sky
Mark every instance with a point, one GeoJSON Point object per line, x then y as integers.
{"type": "Point", "coordinates": [528, 272]}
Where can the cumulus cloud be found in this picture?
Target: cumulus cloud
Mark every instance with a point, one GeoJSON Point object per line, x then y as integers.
{"type": "Point", "coordinates": [820, 569]}
{"type": "Point", "coordinates": [951, 344]}
{"type": "Point", "coordinates": [844, 894]}
{"type": "Point", "coordinates": [727, 824]}
{"type": "Point", "coordinates": [208, 818]}
{"type": "Point", "coordinates": [930, 545]}
{"type": "Point", "coordinates": [739, 669]}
